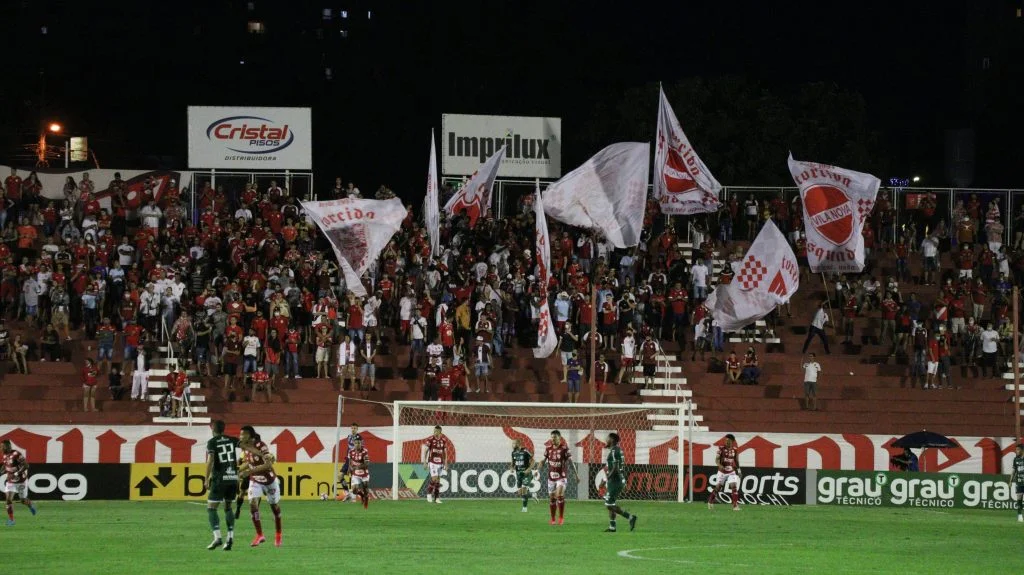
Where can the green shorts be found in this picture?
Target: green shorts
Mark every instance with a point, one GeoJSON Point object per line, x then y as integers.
{"type": "Point", "coordinates": [222, 491]}
{"type": "Point", "coordinates": [614, 489]}
{"type": "Point", "coordinates": [524, 479]}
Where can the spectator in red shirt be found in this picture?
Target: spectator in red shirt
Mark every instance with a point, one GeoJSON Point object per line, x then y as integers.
{"type": "Point", "coordinates": [291, 353]}
{"type": "Point", "coordinates": [355, 320]}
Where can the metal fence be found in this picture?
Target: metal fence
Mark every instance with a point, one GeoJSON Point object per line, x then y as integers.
{"type": "Point", "coordinates": [904, 200]}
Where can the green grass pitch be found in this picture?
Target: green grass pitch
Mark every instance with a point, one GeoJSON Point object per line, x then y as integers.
{"type": "Point", "coordinates": [474, 536]}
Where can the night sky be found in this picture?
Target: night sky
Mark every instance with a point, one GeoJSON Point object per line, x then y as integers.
{"type": "Point", "coordinates": [123, 73]}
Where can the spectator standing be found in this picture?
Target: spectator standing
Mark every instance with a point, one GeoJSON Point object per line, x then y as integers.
{"type": "Point", "coordinates": [114, 383]}
{"type": "Point", "coordinates": [293, 339]}
{"type": "Point", "coordinates": [601, 376]}
{"type": "Point", "coordinates": [250, 352]}
{"type": "Point", "coordinates": [50, 344]}
{"type": "Point", "coordinates": [347, 363]}
{"type": "Point", "coordinates": [575, 375]}
{"type": "Point", "coordinates": [89, 381]}
{"type": "Point", "coordinates": [368, 352]}
{"type": "Point", "coordinates": [930, 253]}
{"type": "Point", "coordinates": [627, 360]}
{"type": "Point", "coordinates": [568, 342]}
{"type": "Point", "coordinates": [31, 290]}
{"type": "Point", "coordinates": [989, 351]}
{"type": "Point", "coordinates": [231, 356]}
{"type": "Point", "coordinates": [482, 361]}
{"type": "Point", "coordinates": [418, 333]}
{"type": "Point", "coordinates": [817, 327]}
{"type": "Point", "coordinates": [272, 357]}
{"type": "Point", "coordinates": [105, 336]}
{"type": "Point", "coordinates": [649, 360]}
{"type": "Point", "coordinates": [811, 370]}
{"type": "Point", "coordinates": [322, 355]}
{"type": "Point", "coordinates": [19, 353]}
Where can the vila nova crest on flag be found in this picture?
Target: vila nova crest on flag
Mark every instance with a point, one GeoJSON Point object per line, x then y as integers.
{"type": "Point", "coordinates": [768, 276]}
{"type": "Point", "coordinates": [431, 209]}
{"type": "Point", "coordinates": [474, 199]}
{"type": "Point", "coordinates": [607, 193]}
{"type": "Point", "coordinates": [836, 202]}
{"type": "Point", "coordinates": [358, 231]}
{"type": "Point", "coordinates": [546, 338]}
{"type": "Point", "coordinates": [682, 183]}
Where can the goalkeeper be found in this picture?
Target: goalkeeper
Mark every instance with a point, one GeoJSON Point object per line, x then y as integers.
{"type": "Point", "coordinates": [522, 464]}
{"type": "Point", "coordinates": [615, 483]}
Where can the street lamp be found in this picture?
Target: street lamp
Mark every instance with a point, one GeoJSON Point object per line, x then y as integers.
{"type": "Point", "coordinates": [55, 128]}
{"type": "Point", "coordinates": [917, 179]}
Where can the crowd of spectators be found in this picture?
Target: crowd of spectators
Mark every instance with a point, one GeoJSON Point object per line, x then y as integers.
{"type": "Point", "coordinates": [250, 293]}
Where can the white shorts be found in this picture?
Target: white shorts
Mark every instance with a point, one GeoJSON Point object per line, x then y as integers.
{"type": "Point", "coordinates": [958, 325]}
{"type": "Point", "coordinates": [357, 480]}
{"type": "Point", "coordinates": [554, 484]}
{"type": "Point", "coordinates": [933, 367]}
{"type": "Point", "coordinates": [436, 469]}
{"type": "Point", "coordinates": [19, 489]}
{"type": "Point", "coordinates": [726, 479]}
{"type": "Point", "coordinates": [272, 491]}
{"type": "Point", "coordinates": [967, 273]}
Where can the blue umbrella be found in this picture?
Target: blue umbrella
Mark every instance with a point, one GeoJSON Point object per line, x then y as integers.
{"type": "Point", "coordinates": [924, 439]}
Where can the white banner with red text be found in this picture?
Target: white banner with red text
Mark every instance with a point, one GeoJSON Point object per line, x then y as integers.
{"type": "Point", "coordinates": [166, 444]}
{"type": "Point", "coordinates": [140, 185]}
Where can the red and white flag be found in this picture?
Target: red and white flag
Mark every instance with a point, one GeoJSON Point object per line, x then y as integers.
{"type": "Point", "coordinates": [474, 199]}
{"type": "Point", "coordinates": [607, 193]}
{"type": "Point", "coordinates": [682, 183]}
{"type": "Point", "coordinates": [358, 231]}
{"type": "Point", "coordinates": [768, 276]}
{"type": "Point", "coordinates": [431, 204]}
{"type": "Point", "coordinates": [836, 202]}
{"type": "Point", "coordinates": [546, 338]}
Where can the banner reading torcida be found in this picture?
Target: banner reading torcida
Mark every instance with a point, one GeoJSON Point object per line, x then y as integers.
{"type": "Point", "coordinates": [358, 230]}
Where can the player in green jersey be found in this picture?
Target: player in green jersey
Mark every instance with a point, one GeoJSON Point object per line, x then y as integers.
{"type": "Point", "coordinates": [221, 482]}
{"type": "Point", "coordinates": [522, 464]}
{"type": "Point", "coordinates": [616, 481]}
{"type": "Point", "coordinates": [1017, 480]}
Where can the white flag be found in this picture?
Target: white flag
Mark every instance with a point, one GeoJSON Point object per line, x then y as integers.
{"type": "Point", "coordinates": [431, 207]}
{"type": "Point", "coordinates": [835, 202]}
{"type": "Point", "coordinates": [474, 199]}
{"type": "Point", "coordinates": [358, 231]}
{"type": "Point", "coordinates": [682, 183]}
{"type": "Point", "coordinates": [607, 193]}
{"type": "Point", "coordinates": [768, 276]}
{"type": "Point", "coordinates": [546, 338]}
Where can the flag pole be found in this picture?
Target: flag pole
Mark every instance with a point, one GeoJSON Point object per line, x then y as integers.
{"type": "Point", "coordinates": [1016, 365]}
{"type": "Point", "coordinates": [593, 322]}
{"type": "Point", "coordinates": [828, 299]}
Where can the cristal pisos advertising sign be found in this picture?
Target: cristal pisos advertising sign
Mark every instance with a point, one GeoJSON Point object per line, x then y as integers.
{"type": "Point", "coordinates": [250, 138]}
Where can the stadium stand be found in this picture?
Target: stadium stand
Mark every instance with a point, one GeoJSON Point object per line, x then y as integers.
{"type": "Point", "coordinates": [253, 253]}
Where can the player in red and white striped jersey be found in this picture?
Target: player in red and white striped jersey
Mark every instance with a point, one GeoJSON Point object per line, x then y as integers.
{"type": "Point", "coordinates": [437, 463]}
{"type": "Point", "coordinates": [558, 458]}
{"type": "Point", "coordinates": [728, 473]}
{"type": "Point", "coordinates": [359, 467]}
{"type": "Point", "coordinates": [16, 469]}
{"type": "Point", "coordinates": [263, 482]}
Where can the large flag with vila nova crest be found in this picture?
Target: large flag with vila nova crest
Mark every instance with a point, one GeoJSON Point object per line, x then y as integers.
{"type": "Point", "coordinates": [682, 183]}
{"type": "Point", "coordinates": [431, 209]}
{"type": "Point", "coordinates": [836, 202]}
{"type": "Point", "coordinates": [768, 276]}
{"type": "Point", "coordinates": [474, 199]}
{"type": "Point", "coordinates": [358, 231]}
{"type": "Point", "coordinates": [607, 193]}
{"type": "Point", "coordinates": [546, 338]}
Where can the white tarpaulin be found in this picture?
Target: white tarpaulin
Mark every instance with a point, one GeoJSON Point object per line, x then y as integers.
{"type": "Point", "coordinates": [358, 230]}
{"type": "Point", "coordinates": [607, 193]}
{"type": "Point", "coordinates": [682, 183]}
{"type": "Point", "coordinates": [835, 202]}
{"type": "Point", "coordinates": [768, 276]}
{"type": "Point", "coordinates": [546, 338]}
{"type": "Point", "coordinates": [474, 199]}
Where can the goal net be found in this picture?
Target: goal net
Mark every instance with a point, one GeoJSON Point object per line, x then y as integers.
{"type": "Point", "coordinates": [481, 436]}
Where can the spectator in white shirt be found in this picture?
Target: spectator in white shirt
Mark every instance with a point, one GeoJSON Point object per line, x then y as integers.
{"type": "Point", "coordinates": [243, 213]}
{"type": "Point", "coordinates": [435, 352]}
{"type": "Point", "coordinates": [346, 362]}
{"type": "Point", "coordinates": [699, 280]}
{"type": "Point", "coordinates": [150, 215]}
{"type": "Point", "coordinates": [418, 332]}
{"type": "Point", "coordinates": [125, 253]}
{"type": "Point", "coordinates": [811, 370]}
{"type": "Point", "coordinates": [930, 253]}
{"type": "Point", "coordinates": [405, 306]}
{"type": "Point", "coordinates": [989, 350]}
{"type": "Point", "coordinates": [627, 360]}
{"type": "Point", "coordinates": [817, 327]}
{"type": "Point", "coordinates": [250, 352]}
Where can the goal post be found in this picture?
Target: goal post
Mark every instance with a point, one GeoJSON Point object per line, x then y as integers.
{"type": "Point", "coordinates": [656, 440]}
